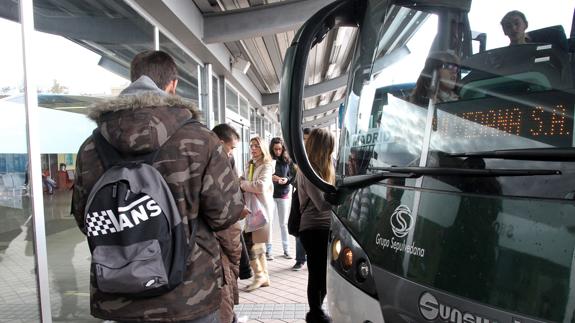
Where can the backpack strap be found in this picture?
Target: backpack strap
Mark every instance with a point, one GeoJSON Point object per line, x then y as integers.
{"type": "Point", "coordinates": [110, 156]}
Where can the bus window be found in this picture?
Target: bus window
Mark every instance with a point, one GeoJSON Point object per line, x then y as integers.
{"type": "Point", "coordinates": [375, 136]}
{"type": "Point", "coordinates": [502, 242]}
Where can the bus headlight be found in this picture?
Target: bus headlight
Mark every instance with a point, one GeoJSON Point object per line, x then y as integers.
{"type": "Point", "coordinates": [347, 258]}
{"type": "Point", "coordinates": [335, 249]}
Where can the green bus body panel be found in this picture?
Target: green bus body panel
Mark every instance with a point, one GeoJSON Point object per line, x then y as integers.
{"type": "Point", "coordinates": [510, 253]}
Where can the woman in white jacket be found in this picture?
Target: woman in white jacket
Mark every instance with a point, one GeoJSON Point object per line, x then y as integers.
{"type": "Point", "coordinates": [257, 180]}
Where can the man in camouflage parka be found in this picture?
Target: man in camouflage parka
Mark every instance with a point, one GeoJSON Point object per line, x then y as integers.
{"type": "Point", "coordinates": [140, 120]}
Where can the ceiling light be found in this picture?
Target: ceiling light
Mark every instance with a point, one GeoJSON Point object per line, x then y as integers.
{"type": "Point", "coordinates": [240, 64]}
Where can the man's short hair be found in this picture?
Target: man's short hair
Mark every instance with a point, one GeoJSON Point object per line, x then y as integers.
{"type": "Point", "coordinates": [157, 65]}
{"type": "Point", "coordinates": [226, 132]}
{"type": "Point", "coordinates": [306, 131]}
{"type": "Point", "coordinates": [514, 13]}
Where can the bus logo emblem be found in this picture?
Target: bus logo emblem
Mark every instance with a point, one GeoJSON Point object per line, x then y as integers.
{"type": "Point", "coordinates": [401, 221]}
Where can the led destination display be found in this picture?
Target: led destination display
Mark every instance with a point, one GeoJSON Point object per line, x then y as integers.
{"type": "Point", "coordinates": [548, 120]}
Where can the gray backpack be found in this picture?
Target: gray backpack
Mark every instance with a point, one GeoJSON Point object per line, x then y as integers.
{"type": "Point", "coordinates": [134, 229]}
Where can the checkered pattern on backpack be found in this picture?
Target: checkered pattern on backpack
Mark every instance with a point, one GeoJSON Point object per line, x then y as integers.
{"type": "Point", "coordinates": [99, 224]}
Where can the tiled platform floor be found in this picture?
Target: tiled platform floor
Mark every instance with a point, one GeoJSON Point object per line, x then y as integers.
{"type": "Point", "coordinates": [285, 299]}
{"type": "Point", "coordinates": [68, 262]}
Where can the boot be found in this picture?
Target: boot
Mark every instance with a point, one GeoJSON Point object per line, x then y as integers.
{"type": "Point", "coordinates": [317, 317]}
{"type": "Point", "coordinates": [264, 264]}
{"type": "Point", "coordinates": [245, 270]}
{"type": "Point", "coordinates": [260, 277]}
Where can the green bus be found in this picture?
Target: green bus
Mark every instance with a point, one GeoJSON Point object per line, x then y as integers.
{"type": "Point", "coordinates": [455, 191]}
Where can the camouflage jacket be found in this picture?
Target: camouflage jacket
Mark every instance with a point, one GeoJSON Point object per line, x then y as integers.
{"type": "Point", "coordinates": [199, 175]}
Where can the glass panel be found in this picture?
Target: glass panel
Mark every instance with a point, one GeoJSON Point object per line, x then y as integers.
{"type": "Point", "coordinates": [253, 126]}
{"type": "Point", "coordinates": [18, 291]}
{"type": "Point", "coordinates": [240, 151]}
{"type": "Point", "coordinates": [259, 126]}
{"type": "Point", "coordinates": [246, 144]}
{"type": "Point", "coordinates": [433, 100]}
{"type": "Point", "coordinates": [203, 106]}
{"type": "Point", "coordinates": [376, 136]}
{"type": "Point", "coordinates": [231, 99]}
{"type": "Point", "coordinates": [244, 110]}
{"type": "Point", "coordinates": [187, 70]}
{"type": "Point", "coordinates": [215, 99]}
{"type": "Point", "coordinates": [89, 61]}
{"type": "Point", "coordinates": [265, 132]}
{"type": "Point", "coordinates": [511, 98]}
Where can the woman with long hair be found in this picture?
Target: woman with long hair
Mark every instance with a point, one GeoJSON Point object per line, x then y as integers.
{"type": "Point", "coordinates": [257, 180]}
{"type": "Point", "coordinates": [446, 65]}
{"type": "Point", "coordinates": [282, 178]}
{"type": "Point", "coordinates": [316, 220]}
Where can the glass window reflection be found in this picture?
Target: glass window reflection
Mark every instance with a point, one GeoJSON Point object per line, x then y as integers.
{"type": "Point", "coordinates": [89, 62]}
{"type": "Point", "coordinates": [18, 293]}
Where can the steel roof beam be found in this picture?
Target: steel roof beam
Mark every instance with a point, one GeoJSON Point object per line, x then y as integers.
{"type": "Point", "coordinates": [311, 90]}
{"type": "Point", "coordinates": [85, 27]}
{"type": "Point", "coordinates": [326, 124]}
{"type": "Point", "coordinates": [258, 21]}
{"type": "Point", "coordinates": [322, 109]}
{"type": "Point", "coordinates": [321, 120]}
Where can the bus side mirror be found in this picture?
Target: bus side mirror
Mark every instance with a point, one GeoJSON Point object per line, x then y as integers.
{"type": "Point", "coordinates": [339, 13]}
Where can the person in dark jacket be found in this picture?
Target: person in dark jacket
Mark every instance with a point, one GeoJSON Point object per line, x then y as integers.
{"type": "Point", "coordinates": [232, 252]}
{"type": "Point", "coordinates": [316, 219]}
{"type": "Point", "coordinates": [145, 117]}
{"type": "Point", "coordinates": [300, 256]}
{"type": "Point", "coordinates": [282, 178]}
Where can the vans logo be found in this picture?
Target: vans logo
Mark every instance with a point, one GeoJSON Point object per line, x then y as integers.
{"type": "Point", "coordinates": [432, 310]}
{"type": "Point", "coordinates": [401, 221]}
{"type": "Point", "coordinates": [106, 221]}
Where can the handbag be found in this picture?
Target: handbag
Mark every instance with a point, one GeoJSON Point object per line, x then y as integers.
{"type": "Point", "coordinates": [294, 218]}
{"type": "Point", "coordinates": [258, 218]}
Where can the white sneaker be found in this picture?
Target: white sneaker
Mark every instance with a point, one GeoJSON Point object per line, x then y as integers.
{"type": "Point", "coordinates": [243, 319]}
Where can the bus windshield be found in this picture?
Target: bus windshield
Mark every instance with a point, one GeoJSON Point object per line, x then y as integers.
{"type": "Point", "coordinates": [486, 87]}
{"type": "Point", "coordinates": [431, 104]}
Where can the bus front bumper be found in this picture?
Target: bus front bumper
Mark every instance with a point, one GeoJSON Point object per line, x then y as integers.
{"type": "Point", "coordinates": [347, 303]}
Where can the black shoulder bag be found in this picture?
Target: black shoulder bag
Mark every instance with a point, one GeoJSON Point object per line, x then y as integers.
{"type": "Point", "coordinates": [294, 218]}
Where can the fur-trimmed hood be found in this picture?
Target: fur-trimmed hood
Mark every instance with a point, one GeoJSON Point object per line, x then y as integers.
{"type": "Point", "coordinates": [142, 117]}
{"type": "Point", "coordinates": [142, 93]}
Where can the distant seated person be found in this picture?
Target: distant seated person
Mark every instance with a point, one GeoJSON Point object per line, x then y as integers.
{"type": "Point", "coordinates": [63, 179]}
{"type": "Point", "coordinates": [446, 66]}
{"type": "Point", "coordinates": [514, 25]}
{"type": "Point", "coordinates": [47, 182]}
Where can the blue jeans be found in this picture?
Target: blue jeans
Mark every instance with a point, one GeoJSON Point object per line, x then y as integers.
{"type": "Point", "coordinates": [49, 184]}
{"type": "Point", "coordinates": [299, 251]}
{"type": "Point", "coordinates": [282, 211]}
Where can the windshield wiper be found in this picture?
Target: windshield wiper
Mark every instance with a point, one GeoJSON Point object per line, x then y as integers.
{"type": "Point", "coordinates": [466, 172]}
{"type": "Point", "coordinates": [359, 181]}
{"type": "Point", "coordinates": [350, 183]}
{"type": "Point", "coordinates": [537, 154]}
